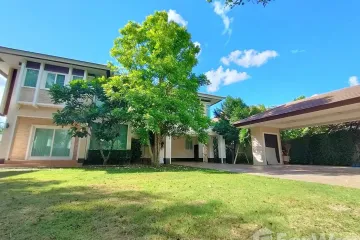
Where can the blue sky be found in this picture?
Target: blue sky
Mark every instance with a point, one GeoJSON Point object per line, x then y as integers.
{"type": "Point", "coordinates": [263, 55]}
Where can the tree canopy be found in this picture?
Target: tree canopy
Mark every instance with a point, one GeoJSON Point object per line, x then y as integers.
{"type": "Point", "coordinates": [156, 60]}
{"type": "Point", "coordinates": [89, 112]}
{"type": "Point", "coordinates": [231, 110]}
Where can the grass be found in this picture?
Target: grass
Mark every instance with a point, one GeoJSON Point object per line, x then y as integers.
{"type": "Point", "coordinates": [168, 203]}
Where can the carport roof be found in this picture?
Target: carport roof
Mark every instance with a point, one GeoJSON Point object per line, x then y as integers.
{"type": "Point", "coordinates": [316, 103]}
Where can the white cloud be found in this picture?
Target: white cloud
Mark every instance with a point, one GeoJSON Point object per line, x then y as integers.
{"type": "Point", "coordinates": [295, 51]}
{"type": "Point", "coordinates": [249, 58]}
{"type": "Point", "coordinates": [221, 10]}
{"type": "Point", "coordinates": [220, 77]}
{"type": "Point", "coordinates": [175, 17]}
{"type": "Point", "coordinates": [198, 45]}
{"type": "Point", "coordinates": [353, 81]}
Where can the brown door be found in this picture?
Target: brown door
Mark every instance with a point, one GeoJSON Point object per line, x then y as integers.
{"type": "Point", "coordinates": [196, 152]}
{"type": "Point", "coordinates": [272, 149]}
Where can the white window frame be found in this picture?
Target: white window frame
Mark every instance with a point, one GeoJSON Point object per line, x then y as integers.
{"type": "Point", "coordinates": [31, 142]}
{"type": "Point", "coordinates": [24, 77]}
{"type": "Point", "coordinates": [79, 77]}
{"type": "Point", "coordinates": [43, 85]}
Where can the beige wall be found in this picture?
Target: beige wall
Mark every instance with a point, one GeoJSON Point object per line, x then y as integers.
{"type": "Point", "coordinates": [178, 149]}
{"type": "Point", "coordinates": [26, 94]}
{"type": "Point", "coordinates": [22, 135]}
{"type": "Point", "coordinates": [44, 97]}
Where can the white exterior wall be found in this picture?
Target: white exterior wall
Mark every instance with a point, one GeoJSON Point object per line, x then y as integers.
{"type": "Point", "coordinates": [258, 144]}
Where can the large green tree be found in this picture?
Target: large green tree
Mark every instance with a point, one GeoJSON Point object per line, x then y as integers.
{"type": "Point", "coordinates": [89, 112]}
{"type": "Point", "coordinates": [156, 60]}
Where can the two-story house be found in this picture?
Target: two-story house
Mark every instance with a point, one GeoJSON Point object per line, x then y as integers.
{"type": "Point", "coordinates": [30, 137]}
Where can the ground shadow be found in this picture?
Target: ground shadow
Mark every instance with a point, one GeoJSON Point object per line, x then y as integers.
{"type": "Point", "coordinates": [9, 172]}
{"type": "Point", "coordinates": [151, 169]}
{"type": "Point", "coordinates": [47, 210]}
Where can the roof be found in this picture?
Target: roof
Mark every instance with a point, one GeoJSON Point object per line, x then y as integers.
{"type": "Point", "coordinates": [212, 99]}
{"type": "Point", "coordinates": [34, 55]}
{"type": "Point", "coordinates": [320, 102]}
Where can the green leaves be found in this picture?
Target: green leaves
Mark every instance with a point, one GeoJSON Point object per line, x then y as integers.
{"type": "Point", "coordinates": [158, 57]}
{"type": "Point", "coordinates": [89, 111]}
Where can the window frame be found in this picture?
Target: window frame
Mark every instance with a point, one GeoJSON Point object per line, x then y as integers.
{"type": "Point", "coordinates": [188, 142]}
{"type": "Point", "coordinates": [24, 77]}
{"type": "Point", "coordinates": [79, 77]}
{"type": "Point", "coordinates": [50, 158]}
{"type": "Point", "coordinates": [45, 75]}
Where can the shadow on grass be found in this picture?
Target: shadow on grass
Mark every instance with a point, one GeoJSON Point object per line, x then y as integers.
{"type": "Point", "coordinates": [10, 173]}
{"type": "Point", "coordinates": [150, 169]}
{"type": "Point", "coordinates": [49, 210]}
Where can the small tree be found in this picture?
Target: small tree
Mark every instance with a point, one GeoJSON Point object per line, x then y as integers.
{"type": "Point", "coordinates": [157, 58]}
{"type": "Point", "coordinates": [89, 112]}
{"type": "Point", "coordinates": [234, 109]}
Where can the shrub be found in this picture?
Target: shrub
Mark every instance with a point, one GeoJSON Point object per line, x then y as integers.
{"type": "Point", "coordinates": [117, 157]}
{"type": "Point", "coordinates": [135, 150]}
{"type": "Point", "coordinates": [336, 149]}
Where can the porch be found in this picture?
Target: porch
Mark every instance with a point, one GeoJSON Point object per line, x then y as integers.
{"type": "Point", "coordinates": [189, 149]}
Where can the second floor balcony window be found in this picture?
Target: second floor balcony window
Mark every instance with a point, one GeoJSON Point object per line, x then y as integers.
{"type": "Point", "coordinates": [31, 77]}
{"type": "Point", "coordinates": [54, 78]}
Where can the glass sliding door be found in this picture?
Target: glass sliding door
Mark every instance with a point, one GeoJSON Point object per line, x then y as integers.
{"type": "Point", "coordinates": [62, 143]}
{"type": "Point", "coordinates": [42, 142]}
{"type": "Point", "coordinates": [51, 143]}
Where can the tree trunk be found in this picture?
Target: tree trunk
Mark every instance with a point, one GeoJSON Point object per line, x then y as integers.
{"type": "Point", "coordinates": [157, 148]}
{"type": "Point", "coordinates": [237, 153]}
{"type": "Point", "coordinates": [106, 158]}
{"type": "Point", "coordinates": [150, 151]}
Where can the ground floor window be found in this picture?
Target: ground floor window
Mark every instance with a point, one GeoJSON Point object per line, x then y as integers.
{"type": "Point", "coordinates": [188, 144]}
{"type": "Point", "coordinates": [50, 142]}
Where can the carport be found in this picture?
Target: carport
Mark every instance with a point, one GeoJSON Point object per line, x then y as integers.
{"type": "Point", "coordinates": [328, 108]}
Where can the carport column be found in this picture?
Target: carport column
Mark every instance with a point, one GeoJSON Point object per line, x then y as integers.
{"type": "Point", "coordinates": [258, 144]}
{"type": "Point", "coordinates": [167, 159]}
{"type": "Point", "coordinates": [221, 148]}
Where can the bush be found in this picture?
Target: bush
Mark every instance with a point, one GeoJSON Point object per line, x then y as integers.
{"type": "Point", "coordinates": [335, 149]}
{"type": "Point", "coordinates": [117, 157]}
{"type": "Point", "coordinates": [135, 150]}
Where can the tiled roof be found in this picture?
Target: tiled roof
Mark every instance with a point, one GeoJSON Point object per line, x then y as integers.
{"type": "Point", "coordinates": [337, 98]}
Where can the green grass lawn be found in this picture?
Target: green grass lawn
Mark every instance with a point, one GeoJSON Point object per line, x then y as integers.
{"type": "Point", "coordinates": [168, 203]}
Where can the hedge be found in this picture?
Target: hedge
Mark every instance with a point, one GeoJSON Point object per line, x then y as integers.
{"type": "Point", "coordinates": [335, 149]}
{"type": "Point", "coordinates": [117, 157]}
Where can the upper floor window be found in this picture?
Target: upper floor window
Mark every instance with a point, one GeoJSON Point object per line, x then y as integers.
{"type": "Point", "coordinates": [54, 78]}
{"type": "Point", "coordinates": [31, 74]}
{"type": "Point", "coordinates": [31, 77]}
{"type": "Point", "coordinates": [55, 75]}
{"type": "Point", "coordinates": [74, 77]}
{"type": "Point", "coordinates": [77, 74]}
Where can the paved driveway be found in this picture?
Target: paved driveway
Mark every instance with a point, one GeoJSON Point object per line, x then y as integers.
{"type": "Point", "coordinates": [342, 176]}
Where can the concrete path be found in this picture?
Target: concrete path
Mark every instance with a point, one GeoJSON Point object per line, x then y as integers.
{"type": "Point", "coordinates": [341, 176]}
